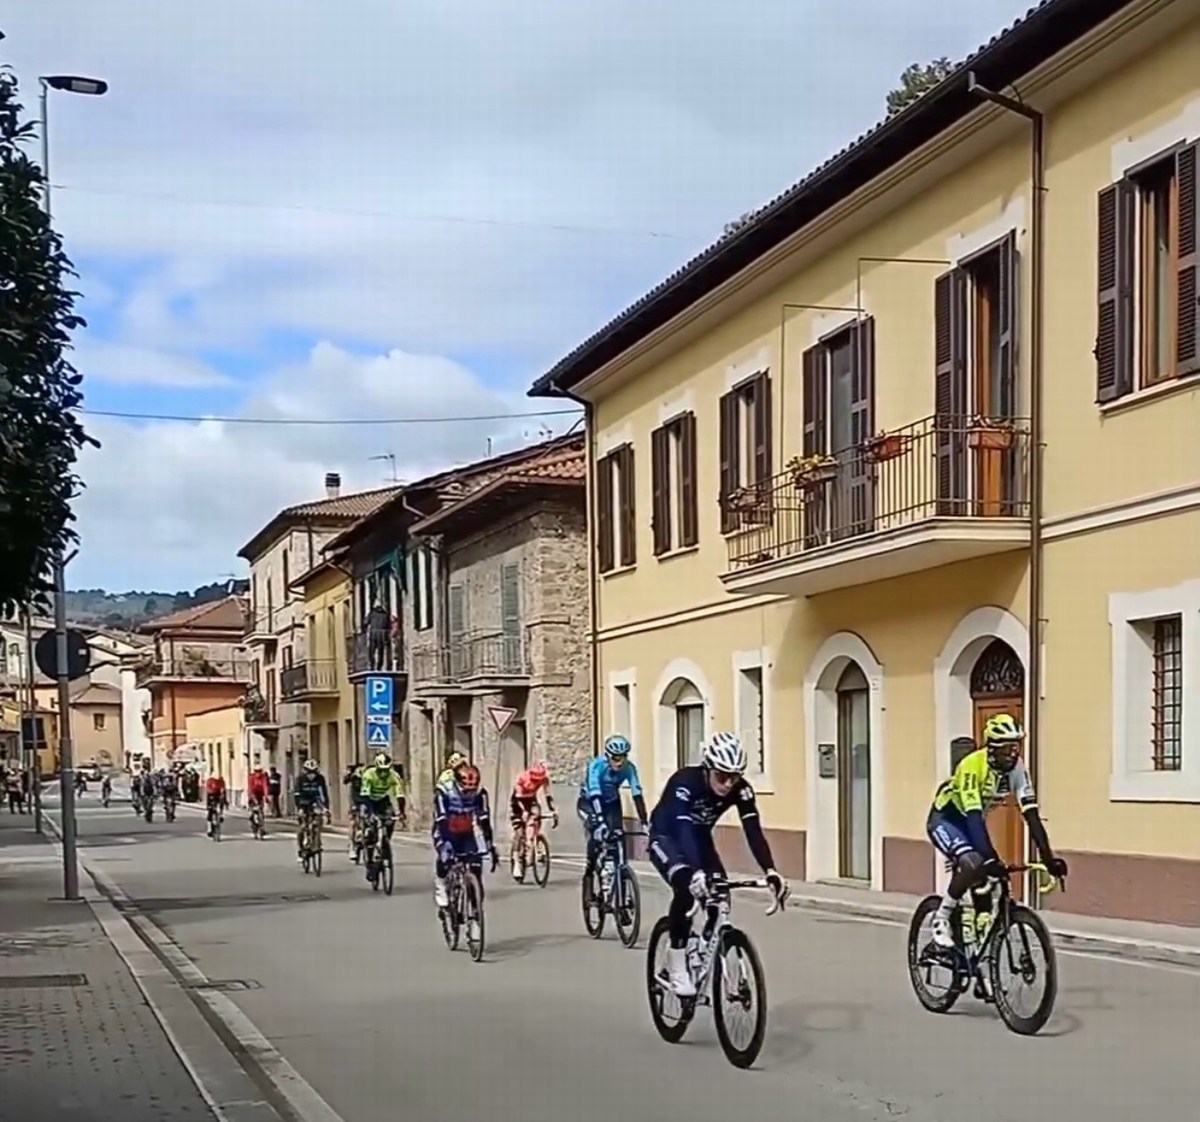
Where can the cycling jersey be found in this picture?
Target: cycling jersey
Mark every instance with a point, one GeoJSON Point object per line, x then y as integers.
{"type": "Point", "coordinates": [311, 790]}
{"type": "Point", "coordinates": [353, 779]}
{"type": "Point", "coordinates": [526, 787]}
{"type": "Point", "coordinates": [602, 784]}
{"type": "Point", "coordinates": [257, 785]}
{"type": "Point", "coordinates": [681, 824]}
{"type": "Point", "coordinates": [977, 786]}
{"type": "Point", "coordinates": [377, 783]}
{"type": "Point", "coordinates": [445, 777]}
{"type": "Point", "coordinates": [457, 812]}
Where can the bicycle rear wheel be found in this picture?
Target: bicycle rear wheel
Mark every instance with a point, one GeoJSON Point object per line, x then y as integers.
{"type": "Point", "coordinates": [627, 894]}
{"type": "Point", "coordinates": [473, 914]}
{"type": "Point", "coordinates": [593, 904]}
{"type": "Point", "coordinates": [1015, 949]}
{"type": "Point", "coordinates": [671, 1014]}
{"type": "Point", "coordinates": [744, 988]}
{"type": "Point", "coordinates": [924, 957]}
{"type": "Point", "coordinates": [541, 861]}
{"type": "Point", "coordinates": [316, 851]}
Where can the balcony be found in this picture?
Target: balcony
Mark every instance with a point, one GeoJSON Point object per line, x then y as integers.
{"type": "Point", "coordinates": [473, 664]}
{"type": "Point", "coordinates": [929, 494]}
{"type": "Point", "coordinates": [191, 667]}
{"type": "Point", "coordinates": [261, 624]}
{"type": "Point", "coordinates": [315, 678]}
{"type": "Point", "coordinates": [261, 712]}
{"type": "Point", "coordinates": [374, 654]}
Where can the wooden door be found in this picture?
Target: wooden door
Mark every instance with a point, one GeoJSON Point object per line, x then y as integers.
{"type": "Point", "coordinates": [1005, 824]}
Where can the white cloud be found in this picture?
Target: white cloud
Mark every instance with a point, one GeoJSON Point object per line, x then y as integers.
{"type": "Point", "coordinates": [123, 364]}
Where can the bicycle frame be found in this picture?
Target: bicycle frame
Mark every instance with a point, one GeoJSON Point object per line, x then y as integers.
{"type": "Point", "coordinates": [1000, 891]}
{"type": "Point", "coordinates": [719, 907]}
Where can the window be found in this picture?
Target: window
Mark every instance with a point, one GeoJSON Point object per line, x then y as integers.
{"type": "Point", "coordinates": [98, 722]}
{"type": "Point", "coordinates": [422, 587]}
{"type": "Point", "coordinates": [749, 717]}
{"type": "Point", "coordinates": [673, 481]}
{"type": "Point", "coordinates": [745, 439]}
{"type": "Point", "coordinates": [622, 716]}
{"type": "Point", "coordinates": [1148, 319]}
{"type": "Point", "coordinates": [287, 579]}
{"type": "Point", "coordinates": [456, 627]}
{"type": "Point", "coordinates": [616, 525]}
{"type": "Point", "coordinates": [511, 660]}
{"type": "Point", "coordinates": [1155, 638]}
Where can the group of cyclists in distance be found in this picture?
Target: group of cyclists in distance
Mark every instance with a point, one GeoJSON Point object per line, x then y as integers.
{"type": "Point", "coordinates": [679, 828]}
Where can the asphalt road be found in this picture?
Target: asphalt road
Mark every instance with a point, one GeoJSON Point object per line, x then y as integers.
{"type": "Point", "coordinates": [361, 996]}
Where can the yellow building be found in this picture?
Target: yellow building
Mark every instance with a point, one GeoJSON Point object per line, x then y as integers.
{"type": "Point", "coordinates": [217, 744]}
{"type": "Point", "coordinates": [817, 510]}
{"type": "Point", "coordinates": [322, 678]}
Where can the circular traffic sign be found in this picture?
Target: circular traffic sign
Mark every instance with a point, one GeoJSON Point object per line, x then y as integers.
{"type": "Point", "coordinates": [79, 654]}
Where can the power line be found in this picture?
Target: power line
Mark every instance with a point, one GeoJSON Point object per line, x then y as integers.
{"type": "Point", "coordinates": [303, 208]}
{"type": "Point", "coordinates": [325, 421]}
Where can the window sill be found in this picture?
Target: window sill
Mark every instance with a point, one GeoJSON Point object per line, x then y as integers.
{"type": "Point", "coordinates": [682, 551]}
{"type": "Point", "coordinates": [620, 571]}
{"type": "Point", "coordinates": [1154, 787]}
{"type": "Point", "coordinates": [1166, 388]}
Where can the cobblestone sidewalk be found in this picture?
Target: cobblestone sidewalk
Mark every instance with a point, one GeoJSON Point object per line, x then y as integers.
{"type": "Point", "coordinates": [78, 1041]}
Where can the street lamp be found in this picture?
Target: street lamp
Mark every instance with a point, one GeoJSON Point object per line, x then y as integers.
{"type": "Point", "coordinates": [93, 87]}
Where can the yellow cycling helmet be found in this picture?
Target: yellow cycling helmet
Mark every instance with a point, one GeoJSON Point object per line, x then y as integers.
{"type": "Point", "coordinates": [1002, 729]}
{"type": "Point", "coordinates": [455, 759]}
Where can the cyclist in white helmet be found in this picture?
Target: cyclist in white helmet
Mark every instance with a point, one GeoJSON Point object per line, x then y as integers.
{"type": "Point", "coordinates": [682, 847]}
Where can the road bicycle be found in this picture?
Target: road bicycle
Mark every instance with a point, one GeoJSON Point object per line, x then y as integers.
{"type": "Point", "coordinates": [215, 818]}
{"type": "Point", "coordinates": [531, 849]}
{"type": "Point", "coordinates": [308, 840]}
{"type": "Point", "coordinates": [464, 907]}
{"type": "Point", "coordinates": [169, 807]}
{"type": "Point", "coordinates": [742, 985]}
{"type": "Point", "coordinates": [377, 852]}
{"type": "Point", "coordinates": [612, 889]}
{"type": "Point", "coordinates": [991, 931]}
{"type": "Point", "coordinates": [148, 807]}
{"type": "Point", "coordinates": [258, 828]}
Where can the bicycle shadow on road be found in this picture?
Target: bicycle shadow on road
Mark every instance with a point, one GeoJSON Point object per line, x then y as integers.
{"type": "Point", "coordinates": [520, 946]}
{"type": "Point", "coordinates": [793, 1025]}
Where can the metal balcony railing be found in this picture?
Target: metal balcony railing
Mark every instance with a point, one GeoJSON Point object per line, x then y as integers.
{"type": "Point", "coordinates": [374, 653]}
{"type": "Point", "coordinates": [940, 467]}
{"type": "Point", "coordinates": [192, 666]}
{"type": "Point", "coordinates": [260, 710]}
{"type": "Point", "coordinates": [261, 621]}
{"type": "Point", "coordinates": [471, 657]}
{"type": "Point", "coordinates": [317, 675]}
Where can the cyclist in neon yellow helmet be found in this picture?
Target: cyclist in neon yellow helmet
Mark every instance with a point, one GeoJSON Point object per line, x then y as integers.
{"type": "Point", "coordinates": [454, 760]}
{"type": "Point", "coordinates": [983, 779]}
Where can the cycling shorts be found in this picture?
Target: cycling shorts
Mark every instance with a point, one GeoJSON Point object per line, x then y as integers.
{"type": "Point", "coordinates": [519, 806]}
{"type": "Point", "coordinates": [949, 838]}
{"type": "Point", "coordinates": [667, 857]}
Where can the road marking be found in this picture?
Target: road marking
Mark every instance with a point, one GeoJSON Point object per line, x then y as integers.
{"type": "Point", "coordinates": [302, 1099]}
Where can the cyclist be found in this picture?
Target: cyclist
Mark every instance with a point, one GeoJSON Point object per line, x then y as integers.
{"type": "Point", "coordinates": [257, 789]}
{"type": "Point", "coordinates": [524, 802]}
{"type": "Point", "coordinates": [311, 795]}
{"type": "Point", "coordinates": [460, 806]}
{"type": "Point", "coordinates": [956, 823]}
{"type": "Point", "coordinates": [352, 778]}
{"type": "Point", "coordinates": [682, 847]}
{"type": "Point", "coordinates": [216, 798]}
{"type": "Point", "coordinates": [599, 805]}
{"type": "Point", "coordinates": [454, 760]}
{"type": "Point", "coordinates": [378, 785]}
{"type": "Point", "coordinates": [168, 789]}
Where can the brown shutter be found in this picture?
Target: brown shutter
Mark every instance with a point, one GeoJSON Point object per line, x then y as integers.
{"type": "Point", "coordinates": [1114, 276]}
{"type": "Point", "coordinates": [814, 440]}
{"type": "Point", "coordinates": [1187, 344]}
{"type": "Point", "coordinates": [628, 508]}
{"type": "Point", "coordinates": [604, 512]}
{"type": "Point", "coordinates": [762, 428]}
{"type": "Point", "coordinates": [660, 488]}
{"type": "Point", "coordinates": [950, 391]}
{"type": "Point", "coordinates": [729, 458]}
{"type": "Point", "coordinates": [1008, 325]}
{"type": "Point", "coordinates": [689, 528]}
{"type": "Point", "coordinates": [861, 477]}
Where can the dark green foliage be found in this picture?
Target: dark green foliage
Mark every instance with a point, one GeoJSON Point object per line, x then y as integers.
{"type": "Point", "coordinates": [916, 80]}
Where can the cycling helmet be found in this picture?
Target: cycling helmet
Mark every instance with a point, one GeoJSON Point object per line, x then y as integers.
{"type": "Point", "coordinates": [616, 746]}
{"type": "Point", "coordinates": [311, 765]}
{"type": "Point", "coordinates": [539, 773]}
{"type": "Point", "coordinates": [723, 751]}
{"type": "Point", "coordinates": [455, 759]}
{"type": "Point", "coordinates": [1003, 735]}
{"type": "Point", "coordinates": [383, 760]}
{"type": "Point", "coordinates": [467, 776]}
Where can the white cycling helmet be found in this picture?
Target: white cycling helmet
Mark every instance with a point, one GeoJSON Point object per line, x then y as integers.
{"type": "Point", "coordinates": [724, 751]}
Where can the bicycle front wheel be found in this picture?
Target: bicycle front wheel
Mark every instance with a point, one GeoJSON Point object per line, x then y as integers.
{"type": "Point", "coordinates": [473, 915]}
{"type": "Point", "coordinates": [387, 871]}
{"type": "Point", "coordinates": [541, 861]}
{"type": "Point", "coordinates": [739, 999]}
{"type": "Point", "coordinates": [627, 894]}
{"type": "Point", "coordinates": [593, 904]}
{"type": "Point", "coordinates": [1016, 950]}
{"type": "Point", "coordinates": [670, 1013]}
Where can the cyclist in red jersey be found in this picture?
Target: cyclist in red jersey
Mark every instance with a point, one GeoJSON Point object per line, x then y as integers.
{"type": "Point", "coordinates": [530, 783]}
{"type": "Point", "coordinates": [215, 798]}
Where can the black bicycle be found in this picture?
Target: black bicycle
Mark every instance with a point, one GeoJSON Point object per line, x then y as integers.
{"type": "Point", "coordinates": [377, 854]}
{"type": "Point", "coordinates": [612, 888]}
{"type": "Point", "coordinates": [992, 933]}
{"type": "Point", "coordinates": [464, 904]}
{"type": "Point", "coordinates": [308, 840]}
{"type": "Point", "coordinates": [169, 807]}
{"type": "Point", "coordinates": [258, 825]}
{"type": "Point", "coordinates": [148, 807]}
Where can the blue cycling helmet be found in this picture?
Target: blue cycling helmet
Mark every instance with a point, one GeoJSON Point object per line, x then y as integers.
{"type": "Point", "coordinates": [616, 746]}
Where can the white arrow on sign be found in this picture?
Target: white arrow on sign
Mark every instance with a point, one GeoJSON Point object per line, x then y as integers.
{"type": "Point", "coordinates": [501, 716]}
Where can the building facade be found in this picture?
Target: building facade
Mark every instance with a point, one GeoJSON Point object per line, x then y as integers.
{"type": "Point", "coordinates": [96, 724]}
{"type": "Point", "coordinates": [216, 744]}
{"type": "Point", "coordinates": [844, 460]}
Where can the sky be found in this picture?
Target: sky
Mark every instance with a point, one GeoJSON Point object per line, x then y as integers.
{"type": "Point", "coordinates": [398, 210]}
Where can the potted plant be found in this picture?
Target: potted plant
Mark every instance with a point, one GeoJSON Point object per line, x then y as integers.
{"type": "Point", "coordinates": [810, 472]}
{"type": "Point", "coordinates": [990, 432]}
{"type": "Point", "coordinates": [743, 500]}
{"type": "Point", "coordinates": [885, 446]}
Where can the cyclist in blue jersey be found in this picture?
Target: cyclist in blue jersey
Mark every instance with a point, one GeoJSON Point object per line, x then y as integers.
{"type": "Point", "coordinates": [599, 806]}
{"type": "Point", "coordinates": [682, 847]}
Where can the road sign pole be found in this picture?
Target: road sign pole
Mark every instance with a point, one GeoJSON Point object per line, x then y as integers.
{"type": "Point", "coordinates": [66, 750]}
{"type": "Point", "coordinates": [31, 759]}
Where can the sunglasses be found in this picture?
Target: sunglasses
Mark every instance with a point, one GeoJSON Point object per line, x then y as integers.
{"type": "Point", "coordinates": [727, 778]}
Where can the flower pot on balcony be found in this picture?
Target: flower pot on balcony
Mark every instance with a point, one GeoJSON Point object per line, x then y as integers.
{"type": "Point", "coordinates": [995, 437]}
{"type": "Point", "coordinates": [885, 446]}
{"type": "Point", "coordinates": [813, 478]}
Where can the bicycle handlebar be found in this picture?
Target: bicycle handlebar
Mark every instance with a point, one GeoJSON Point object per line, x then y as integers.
{"type": "Point", "coordinates": [721, 886]}
{"type": "Point", "coordinates": [1046, 883]}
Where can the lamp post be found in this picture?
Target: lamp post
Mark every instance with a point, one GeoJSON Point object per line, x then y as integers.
{"type": "Point", "coordinates": [93, 87]}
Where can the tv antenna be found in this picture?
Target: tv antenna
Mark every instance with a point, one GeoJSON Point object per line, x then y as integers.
{"type": "Point", "coordinates": [390, 457]}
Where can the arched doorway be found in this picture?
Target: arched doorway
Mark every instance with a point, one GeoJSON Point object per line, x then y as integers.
{"type": "Point", "coordinates": [854, 774]}
{"type": "Point", "coordinates": [687, 704]}
{"type": "Point", "coordinates": [998, 686]}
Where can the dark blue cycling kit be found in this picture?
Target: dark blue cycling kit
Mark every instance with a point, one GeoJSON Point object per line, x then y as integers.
{"type": "Point", "coordinates": [311, 790]}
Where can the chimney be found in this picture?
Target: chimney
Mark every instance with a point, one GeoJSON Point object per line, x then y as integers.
{"type": "Point", "coordinates": [333, 485]}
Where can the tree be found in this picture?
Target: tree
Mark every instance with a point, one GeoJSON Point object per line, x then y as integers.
{"type": "Point", "coordinates": [40, 437]}
{"type": "Point", "coordinates": [916, 80]}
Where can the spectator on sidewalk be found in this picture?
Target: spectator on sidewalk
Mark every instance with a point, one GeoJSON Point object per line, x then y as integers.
{"type": "Point", "coordinates": [275, 787]}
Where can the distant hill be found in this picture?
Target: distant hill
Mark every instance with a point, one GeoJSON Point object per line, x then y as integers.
{"type": "Point", "coordinates": [125, 610]}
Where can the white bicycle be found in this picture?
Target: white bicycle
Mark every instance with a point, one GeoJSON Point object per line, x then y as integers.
{"type": "Point", "coordinates": [740, 984]}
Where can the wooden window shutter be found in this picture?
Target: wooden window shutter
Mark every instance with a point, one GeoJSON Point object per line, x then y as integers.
{"type": "Point", "coordinates": [1009, 324]}
{"type": "Point", "coordinates": [689, 529]}
{"type": "Point", "coordinates": [604, 513]}
{"type": "Point", "coordinates": [1187, 344]}
{"type": "Point", "coordinates": [814, 439]}
{"type": "Point", "coordinates": [457, 610]}
{"type": "Point", "coordinates": [628, 507]}
{"type": "Point", "coordinates": [660, 487]}
{"type": "Point", "coordinates": [950, 390]}
{"type": "Point", "coordinates": [862, 428]}
{"type": "Point", "coordinates": [1114, 276]}
{"type": "Point", "coordinates": [762, 428]}
{"type": "Point", "coordinates": [510, 599]}
{"type": "Point", "coordinates": [728, 437]}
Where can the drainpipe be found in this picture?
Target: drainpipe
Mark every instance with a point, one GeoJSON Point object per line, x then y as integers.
{"type": "Point", "coordinates": [593, 569]}
{"type": "Point", "coordinates": [1036, 389]}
